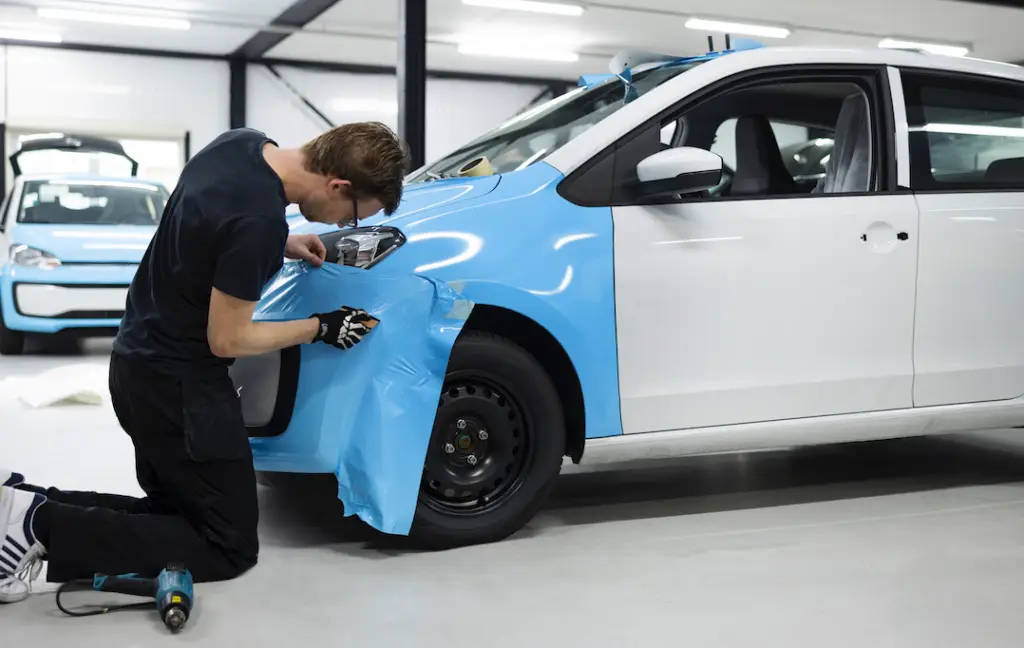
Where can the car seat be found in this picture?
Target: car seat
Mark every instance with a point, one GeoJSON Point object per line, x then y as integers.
{"type": "Point", "coordinates": [760, 169]}
{"type": "Point", "coordinates": [1009, 171]}
{"type": "Point", "coordinates": [849, 168]}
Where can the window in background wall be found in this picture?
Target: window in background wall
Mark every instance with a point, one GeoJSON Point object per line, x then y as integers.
{"type": "Point", "coordinates": [159, 160]}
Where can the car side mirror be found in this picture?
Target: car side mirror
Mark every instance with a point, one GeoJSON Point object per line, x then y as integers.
{"type": "Point", "coordinates": [682, 170]}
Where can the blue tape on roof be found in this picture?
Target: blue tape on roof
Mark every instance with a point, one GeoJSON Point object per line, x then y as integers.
{"type": "Point", "coordinates": [365, 414]}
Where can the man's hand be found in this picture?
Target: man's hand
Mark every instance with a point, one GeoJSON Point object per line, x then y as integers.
{"type": "Point", "coordinates": [307, 247]}
{"type": "Point", "coordinates": [345, 327]}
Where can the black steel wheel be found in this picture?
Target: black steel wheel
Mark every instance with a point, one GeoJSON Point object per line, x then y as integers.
{"type": "Point", "coordinates": [496, 447]}
{"type": "Point", "coordinates": [480, 448]}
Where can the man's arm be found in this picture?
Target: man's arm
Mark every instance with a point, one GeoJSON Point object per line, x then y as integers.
{"type": "Point", "coordinates": [233, 334]}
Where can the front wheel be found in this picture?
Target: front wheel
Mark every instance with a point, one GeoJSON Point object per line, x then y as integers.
{"type": "Point", "coordinates": [496, 448]}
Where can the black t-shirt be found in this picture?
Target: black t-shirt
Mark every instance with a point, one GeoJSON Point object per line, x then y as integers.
{"type": "Point", "coordinates": [224, 227]}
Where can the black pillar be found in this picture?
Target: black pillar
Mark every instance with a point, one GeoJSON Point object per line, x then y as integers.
{"type": "Point", "coordinates": [3, 162]}
{"type": "Point", "coordinates": [236, 99]}
{"type": "Point", "coordinates": [412, 77]}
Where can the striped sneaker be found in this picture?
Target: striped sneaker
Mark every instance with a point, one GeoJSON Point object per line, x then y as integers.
{"type": "Point", "coordinates": [20, 554]}
{"type": "Point", "coordinates": [8, 478]}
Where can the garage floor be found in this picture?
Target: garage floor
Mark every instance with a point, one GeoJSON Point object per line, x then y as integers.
{"type": "Point", "coordinates": [907, 543]}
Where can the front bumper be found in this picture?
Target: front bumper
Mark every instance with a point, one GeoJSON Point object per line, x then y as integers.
{"type": "Point", "coordinates": [365, 414]}
{"type": "Point", "coordinates": [73, 296]}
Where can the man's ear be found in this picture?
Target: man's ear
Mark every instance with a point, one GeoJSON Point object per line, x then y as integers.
{"type": "Point", "coordinates": [336, 184]}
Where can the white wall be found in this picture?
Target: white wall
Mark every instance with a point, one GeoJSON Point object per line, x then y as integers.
{"type": "Point", "coordinates": [457, 111]}
{"type": "Point", "coordinates": [50, 89]}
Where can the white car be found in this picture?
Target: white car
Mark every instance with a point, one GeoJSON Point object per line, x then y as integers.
{"type": "Point", "coordinates": [650, 279]}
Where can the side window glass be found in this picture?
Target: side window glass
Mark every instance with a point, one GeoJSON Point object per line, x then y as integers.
{"type": "Point", "coordinates": [964, 134]}
{"type": "Point", "coordinates": [792, 138]}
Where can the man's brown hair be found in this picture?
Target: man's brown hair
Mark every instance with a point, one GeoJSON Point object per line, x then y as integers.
{"type": "Point", "coordinates": [368, 154]}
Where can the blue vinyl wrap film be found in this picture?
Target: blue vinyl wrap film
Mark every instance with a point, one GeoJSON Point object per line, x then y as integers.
{"type": "Point", "coordinates": [365, 414]}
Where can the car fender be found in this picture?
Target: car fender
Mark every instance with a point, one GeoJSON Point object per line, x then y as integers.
{"type": "Point", "coordinates": [523, 247]}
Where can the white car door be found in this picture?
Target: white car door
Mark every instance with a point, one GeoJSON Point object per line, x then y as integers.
{"type": "Point", "coordinates": [966, 149]}
{"type": "Point", "coordinates": [770, 303]}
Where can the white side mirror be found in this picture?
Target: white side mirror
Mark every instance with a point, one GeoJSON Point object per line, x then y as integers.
{"type": "Point", "coordinates": [682, 170]}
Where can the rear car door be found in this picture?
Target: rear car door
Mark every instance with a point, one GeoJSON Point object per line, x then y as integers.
{"type": "Point", "coordinates": [966, 145]}
{"type": "Point", "coordinates": [763, 301]}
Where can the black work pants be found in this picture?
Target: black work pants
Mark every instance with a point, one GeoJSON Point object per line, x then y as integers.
{"type": "Point", "coordinates": [194, 463]}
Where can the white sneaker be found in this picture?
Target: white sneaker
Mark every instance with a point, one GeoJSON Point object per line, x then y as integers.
{"type": "Point", "coordinates": [8, 478]}
{"type": "Point", "coordinates": [20, 553]}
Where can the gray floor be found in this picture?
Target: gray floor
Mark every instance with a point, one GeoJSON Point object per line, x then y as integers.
{"type": "Point", "coordinates": [907, 543]}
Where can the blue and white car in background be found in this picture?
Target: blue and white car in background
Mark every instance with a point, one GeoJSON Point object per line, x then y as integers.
{"type": "Point", "coordinates": [592, 280]}
{"type": "Point", "coordinates": [71, 244]}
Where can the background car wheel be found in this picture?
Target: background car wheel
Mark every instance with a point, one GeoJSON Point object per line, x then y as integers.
{"type": "Point", "coordinates": [496, 448]}
{"type": "Point", "coordinates": [11, 342]}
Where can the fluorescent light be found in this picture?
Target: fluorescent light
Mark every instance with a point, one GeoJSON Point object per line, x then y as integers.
{"type": "Point", "coordinates": [518, 51]}
{"type": "Point", "coordinates": [361, 105]}
{"type": "Point", "coordinates": [33, 35]}
{"type": "Point", "coordinates": [944, 50]}
{"type": "Point", "coordinates": [557, 8]}
{"type": "Point", "coordinates": [765, 31]}
{"type": "Point", "coordinates": [134, 20]}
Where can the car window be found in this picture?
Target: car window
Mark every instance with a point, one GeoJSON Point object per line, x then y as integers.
{"type": "Point", "coordinates": [533, 135]}
{"type": "Point", "coordinates": [87, 202]}
{"type": "Point", "coordinates": [964, 134]}
{"type": "Point", "coordinates": [778, 139]}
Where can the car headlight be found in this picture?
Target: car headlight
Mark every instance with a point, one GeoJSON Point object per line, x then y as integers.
{"type": "Point", "coordinates": [32, 257]}
{"type": "Point", "coordinates": [362, 247]}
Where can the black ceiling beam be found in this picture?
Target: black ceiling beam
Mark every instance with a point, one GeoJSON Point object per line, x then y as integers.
{"type": "Point", "coordinates": [297, 16]}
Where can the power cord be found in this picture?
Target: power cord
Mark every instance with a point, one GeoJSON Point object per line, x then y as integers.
{"type": "Point", "coordinates": [87, 585]}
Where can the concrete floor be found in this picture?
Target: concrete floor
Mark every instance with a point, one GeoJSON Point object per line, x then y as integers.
{"type": "Point", "coordinates": [907, 543]}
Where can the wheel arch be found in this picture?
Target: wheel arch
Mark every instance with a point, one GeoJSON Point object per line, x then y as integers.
{"type": "Point", "coordinates": [545, 347]}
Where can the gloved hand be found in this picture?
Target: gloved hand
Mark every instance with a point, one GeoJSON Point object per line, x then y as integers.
{"type": "Point", "coordinates": [345, 327]}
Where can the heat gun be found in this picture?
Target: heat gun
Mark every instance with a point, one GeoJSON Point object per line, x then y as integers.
{"type": "Point", "coordinates": [171, 590]}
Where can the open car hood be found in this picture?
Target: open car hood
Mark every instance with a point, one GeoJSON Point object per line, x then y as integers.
{"type": "Point", "coordinates": [71, 143]}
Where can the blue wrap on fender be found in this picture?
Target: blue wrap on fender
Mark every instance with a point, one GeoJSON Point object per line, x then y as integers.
{"type": "Point", "coordinates": [365, 414]}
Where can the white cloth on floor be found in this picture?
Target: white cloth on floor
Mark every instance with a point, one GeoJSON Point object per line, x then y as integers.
{"type": "Point", "coordinates": [77, 384]}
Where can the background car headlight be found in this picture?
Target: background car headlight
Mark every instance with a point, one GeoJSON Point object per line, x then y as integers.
{"type": "Point", "coordinates": [30, 256]}
{"type": "Point", "coordinates": [362, 247]}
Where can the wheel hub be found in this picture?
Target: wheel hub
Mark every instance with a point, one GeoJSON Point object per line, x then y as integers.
{"type": "Point", "coordinates": [477, 450]}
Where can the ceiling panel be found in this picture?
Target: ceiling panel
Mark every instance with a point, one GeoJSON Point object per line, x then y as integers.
{"type": "Point", "coordinates": [992, 31]}
{"type": "Point", "coordinates": [364, 31]}
{"type": "Point", "coordinates": [217, 26]}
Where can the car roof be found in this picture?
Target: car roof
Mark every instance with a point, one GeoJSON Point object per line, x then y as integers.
{"type": "Point", "coordinates": [795, 55]}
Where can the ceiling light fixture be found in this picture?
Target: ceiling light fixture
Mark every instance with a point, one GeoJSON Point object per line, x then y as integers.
{"type": "Point", "coordinates": [746, 29]}
{"type": "Point", "coordinates": [132, 20]}
{"type": "Point", "coordinates": [557, 8]}
{"type": "Point", "coordinates": [934, 48]}
{"type": "Point", "coordinates": [28, 35]}
{"type": "Point", "coordinates": [518, 51]}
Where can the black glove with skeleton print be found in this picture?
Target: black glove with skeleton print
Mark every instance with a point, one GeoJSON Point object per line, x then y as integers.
{"type": "Point", "coordinates": [345, 327]}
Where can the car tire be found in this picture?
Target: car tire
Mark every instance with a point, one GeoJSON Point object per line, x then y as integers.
{"type": "Point", "coordinates": [11, 342]}
{"type": "Point", "coordinates": [499, 406]}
